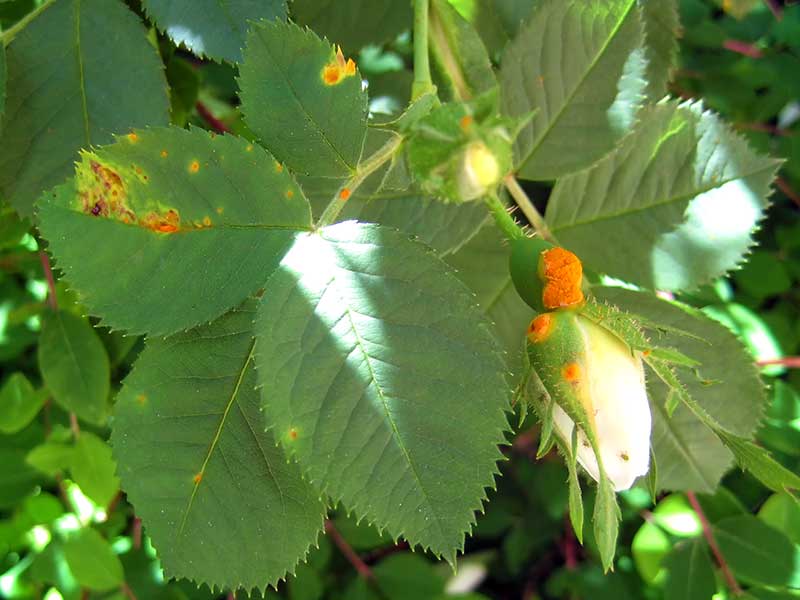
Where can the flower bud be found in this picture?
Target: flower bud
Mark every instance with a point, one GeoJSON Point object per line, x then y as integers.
{"type": "Point", "coordinates": [479, 171]}
{"type": "Point", "coordinates": [547, 277]}
{"type": "Point", "coordinates": [597, 382]}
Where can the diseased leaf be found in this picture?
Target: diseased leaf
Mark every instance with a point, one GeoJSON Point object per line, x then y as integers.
{"type": "Point", "coordinates": [728, 387]}
{"type": "Point", "coordinates": [69, 87]}
{"type": "Point", "coordinates": [303, 100]}
{"type": "Point", "coordinates": [19, 403]}
{"type": "Point", "coordinates": [74, 366]}
{"type": "Point", "coordinates": [581, 64]}
{"type": "Point", "coordinates": [381, 377]}
{"type": "Point", "coordinates": [93, 468]}
{"type": "Point", "coordinates": [683, 178]}
{"type": "Point", "coordinates": [213, 28]}
{"type": "Point", "coordinates": [183, 224]}
{"type": "Point", "coordinates": [92, 561]}
{"type": "Point", "coordinates": [690, 572]}
{"type": "Point", "coordinates": [661, 28]}
{"type": "Point", "coordinates": [356, 23]}
{"type": "Point", "coordinates": [218, 497]}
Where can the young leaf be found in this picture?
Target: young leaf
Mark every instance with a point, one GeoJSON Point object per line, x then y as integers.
{"type": "Point", "coordinates": [661, 29]}
{"type": "Point", "coordinates": [303, 100]}
{"type": "Point", "coordinates": [76, 98]}
{"type": "Point", "coordinates": [185, 224]}
{"type": "Point", "coordinates": [665, 191]}
{"type": "Point", "coordinates": [74, 366]}
{"type": "Point", "coordinates": [92, 561]}
{"type": "Point", "coordinates": [213, 28]}
{"type": "Point", "coordinates": [93, 469]}
{"type": "Point", "coordinates": [581, 64]}
{"type": "Point", "coordinates": [353, 25]}
{"type": "Point", "coordinates": [19, 403]}
{"type": "Point", "coordinates": [690, 572]}
{"type": "Point", "coordinates": [380, 376]}
{"type": "Point", "coordinates": [218, 497]}
{"type": "Point", "coordinates": [758, 461]}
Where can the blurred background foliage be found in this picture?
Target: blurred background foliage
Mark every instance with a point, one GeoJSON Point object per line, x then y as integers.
{"type": "Point", "coordinates": [67, 532]}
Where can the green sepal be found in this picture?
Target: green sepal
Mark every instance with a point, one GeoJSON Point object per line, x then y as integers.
{"type": "Point", "coordinates": [546, 437]}
{"type": "Point", "coordinates": [606, 519]}
{"type": "Point", "coordinates": [575, 496]}
{"type": "Point", "coordinates": [524, 263]}
{"type": "Point", "coordinates": [652, 476]}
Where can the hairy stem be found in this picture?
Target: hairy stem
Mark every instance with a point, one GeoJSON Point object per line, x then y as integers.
{"type": "Point", "coordinates": [528, 209]}
{"type": "Point", "coordinates": [503, 218]}
{"type": "Point", "coordinates": [422, 70]}
{"type": "Point", "coordinates": [365, 168]}
{"type": "Point", "coordinates": [712, 543]}
{"type": "Point", "coordinates": [9, 34]}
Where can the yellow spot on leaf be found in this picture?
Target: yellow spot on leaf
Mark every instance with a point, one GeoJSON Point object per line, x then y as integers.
{"type": "Point", "coordinates": [220, 210]}
{"type": "Point", "coordinates": [338, 69]}
{"type": "Point", "coordinates": [344, 194]}
{"type": "Point", "coordinates": [133, 138]}
{"type": "Point", "coordinates": [249, 148]}
{"type": "Point", "coordinates": [197, 478]}
{"type": "Point", "coordinates": [194, 167]}
{"type": "Point", "coordinates": [289, 193]}
{"type": "Point", "coordinates": [141, 399]}
{"type": "Point", "coordinates": [207, 221]}
{"type": "Point", "coordinates": [278, 167]}
{"type": "Point", "coordinates": [164, 154]}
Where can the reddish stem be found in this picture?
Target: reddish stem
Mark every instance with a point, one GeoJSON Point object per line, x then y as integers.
{"type": "Point", "coordinates": [775, 8]}
{"type": "Point", "coordinates": [793, 362]}
{"type": "Point", "coordinates": [209, 118]}
{"type": "Point", "coordinates": [125, 588]}
{"type": "Point", "coordinates": [73, 425]}
{"type": "Point", "coordinates": [136, 533]}
{"type": "Point", "coordinates": [569, 546]}
{"type": "Point", "coordinates": [712, 543]}
{"type": "Point", "coordinates": [51, 282]}
{"type": "Point", "coordinates": [784, 186]}
{"type": "Point", "coordinates": [767, 127]}
{"type": "Point", "coordinates": [230, 596]}
{"type": "Point", "coordinates": [742, 48]}
{"type": "Point", "coordinates": [354, 559]}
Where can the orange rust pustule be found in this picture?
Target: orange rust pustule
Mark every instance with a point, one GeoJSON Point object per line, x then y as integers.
{"type": "Point", "coordinates": [169, 222]}
{"type": "Point", "coordinates": [338, 69]}
{"type": "Point", "coordinates": [571, 372]}
{"type": "Point", "coordinates": [562, 272]}
{"type": "Point", "coordinates": [540, 328]}
{"type": "Point", "coordinates": [106, 198]}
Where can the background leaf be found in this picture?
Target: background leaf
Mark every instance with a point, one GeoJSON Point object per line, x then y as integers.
{"type": "Point", "coordinates": [681, 180]}
{"type": "Point", "coordinates": [2, 82]}
{"type": "Point", "coordinates": [315, 127]}
{"type": "Point", "coordinates": [92, 561]}
{"type": "Point", "coordinates": [74, 366]}
{"type": "Point", "coordinates": [662, 26]}
{"type": "Point", "coordinates": [691, 574]}
{"type": "Point", "coordinates": [579, 64]}
{"type": "Point", "coordinates": [213, 28]}
{"type": "Point", "coordinates": [197, 224]}
{"type": "Point", "coordinates": [93, 469]}
{"type": "Point", "coordinates": [68, 88]}
{"type": "Point", "coordinates": [218, 497]}
{"type": "Point", "coordinates": [392, 399]}
{"type": "Point", "coordinates": [19, 403]}
{"type": "Point", "coordinates": [355, 23]}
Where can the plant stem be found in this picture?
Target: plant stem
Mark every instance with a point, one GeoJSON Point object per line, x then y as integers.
{"type": "Point", "coordinates": [354, 559]}
{"type": "Point", "coordinates": [792, 362]}
{"type": "Point", "coordinates": [712, 543]}
{"type": "Point", "coordinates": [446, 56]}
{"type": "Point", "coordinates": [504, 220]}
{"type": "Point", "coordinates": [422, 70]}
{"type": "Point", "coordinates": [8, 35]}
{"type": "Point", "coordinates": [51, 282]}
{"type": "Point", "coordinates": [207, 116]}
{"type": "Point", "coordinates": [364, 169]}
{"type": "Point", "coordinates": [528, 209]}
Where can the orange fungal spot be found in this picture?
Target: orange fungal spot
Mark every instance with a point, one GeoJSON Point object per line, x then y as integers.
{"type": "Point", "coordinates": [571, 372]}
{"type": "Point", "coordinates": [278, 167]}
{"type": "Point", "coordinates": [197, 478]}
{"type": "Point", "coordinates": [338, 69]}
{"type": "Point", "coordinates": [133, 138]}
{"type": "Point", "coordinates": [289, 193]}
{"type": "Point", "coordinates": [563, 273]}
{"type": "Point", "coordinates": [169, 222]}
{"type": "Point", "coordinates": [540, 328]}
{"type": "Point", "coordinates": [293, 433]}
{"type": "Point", "coordinates": [466, 122]}
{"type": "Point", "coordinates": [344, 194]}
{"type": "Point", "coordinates": [194, 167]}
{"type": "Point", "coordinates": [141, 399]}
{"type": "Point", "coordinates": [207, 221]}
{"type": "Point", "coordinates": [164, 154]}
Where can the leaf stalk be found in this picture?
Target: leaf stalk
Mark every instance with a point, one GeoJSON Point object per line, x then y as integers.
{"type": "Point", "coordinates": [422, 70]}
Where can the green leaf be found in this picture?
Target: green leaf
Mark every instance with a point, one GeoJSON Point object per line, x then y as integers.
{"type": "Point", "coordinates": [649, 547]}
{"type": "Point", "coordinates": [662, 26]}
{"type": "Point", "coordinates": [782, 512]}
{"type": "Point", "coordinates": [401, 576]}
{"type": "Point", "coordinates": [676, 516]}
{"type": "Point", "coordinates": [218, 497]}
{"type": "Point", "coordinates": [213, 28]}
{"type": "Point", "coordinates": [380, 376]}
{"type": "Point", "coordinates": [353, 25]}
{"type": "Point", "coordinates": [2, 81]}
{"type": "Point", "coordinates": [93, 469]}
{"type": "Point", "coordinates": [19, 403]}
{"type": "Point", "coordinates": [92, 561]}
{"type": "Point", "coordinates": [482, 264]}
{"type": "Point", "coordinates": [758, 461]}
{"type": "Point", "coordinates": [189, 224]}
{"type": "Point", "coordinates": [79, 96]}
{"type": "Point", "coordinates": [17, 478]}
{"type": "Point", "coordinates": [74, 365]}
{"type": "Point", "coordinates": [581, 64]}
{"type": "Point", "coordinates": [754, 551]}
{"type": "Point", "coordinates": [691, 574]}
{"type": "Point", "coordinates": [51, 458]}
{"type": "Point", "coordinates": [681, 179]}
{"type": "Point", "coordinates": [303, 101]}
{"type": "Point", "coordinates": [729, 389]}
{"type": "Point", "coordinates": [606, 519]}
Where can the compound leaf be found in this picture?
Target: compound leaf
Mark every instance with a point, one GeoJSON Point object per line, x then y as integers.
{"type": "Point", "coordinates": [74, 365]}
{"type": "Point", "coordinates": [218, 497]}
{"type": "Point", "coordinates": [303, 100]}
{"type": "Point", "coordinates": [213, 28]}
{"type": "Point", "coordinates": [681, 179]}
{"type": "Point", "coordinates": [184, 224]}
{"type": "Point", "coordinates": [69, 87]}
{"type": "Point", "coordinates": [581, 65]}
{"type": "Point", "coordinates": [380, 375]}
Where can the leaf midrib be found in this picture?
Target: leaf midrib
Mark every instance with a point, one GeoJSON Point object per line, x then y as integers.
{"type": "Point", "coordinates": [81, 79]}
{"type": "Point", "coordinates": [612, 35]}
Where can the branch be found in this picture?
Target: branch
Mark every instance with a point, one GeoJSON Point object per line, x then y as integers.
{"type": "Point", "coordinates": [712, 543]}
{"type": "Point", "coordinates": [793, 362]}
{"type": "Point", "coordinates": [354, 559]}
{"type": "Point", "coordinates": [207, 116]}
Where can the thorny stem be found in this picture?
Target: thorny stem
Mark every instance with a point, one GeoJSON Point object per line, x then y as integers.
{"type": "Point", "coordinates": [364, 169]}
{"type": "Point", "coordinates": [502, 218]}
{"type": "Point", "coordinates": [9, 34]}
{"type": "Point", "coordinates": [712, 543]}
{"type": "Point", "coordinates": [422, 70]}
{"type": "Point", "coordinates": [528, 209]}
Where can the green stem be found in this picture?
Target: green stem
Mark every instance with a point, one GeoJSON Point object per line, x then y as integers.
{"type": "Point", "coordinates": [365, 168]}
{"type": "Point", "coordinates": [422, 70]}
{"type": "Point", "coordinates": [528, 209]}
{"type": "Point", "coordinates": [504, 220]}
{"type": "Point", "coordinates": [9, 34]}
